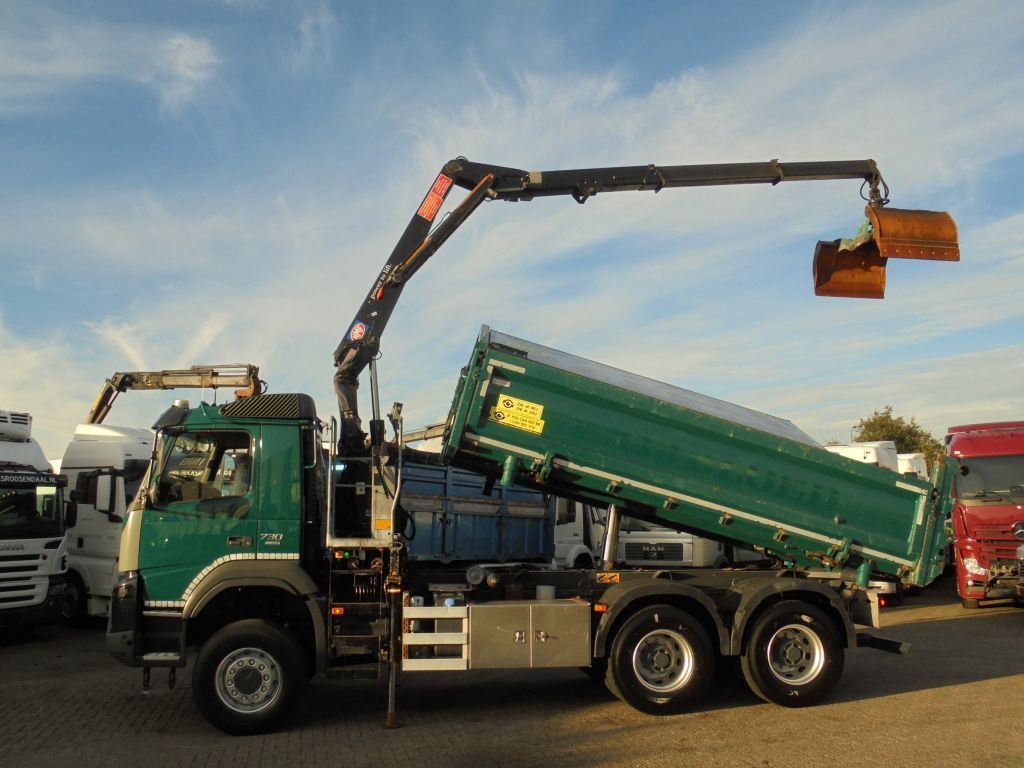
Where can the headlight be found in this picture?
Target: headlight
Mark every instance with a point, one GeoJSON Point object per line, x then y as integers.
{"type": "Point", "coordinates": [973, 568]}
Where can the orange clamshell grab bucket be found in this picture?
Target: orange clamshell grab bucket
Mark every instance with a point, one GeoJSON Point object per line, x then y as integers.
{"type": "Point", "coordinates": [856, 269]}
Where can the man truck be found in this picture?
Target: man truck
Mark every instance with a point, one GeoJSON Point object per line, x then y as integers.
{"type": "Point", "coordinates": [33, 552]}
{"type": "Point", "coordinates": [989, 493]}
{"type": "Point", "coordinates": [280, 561]}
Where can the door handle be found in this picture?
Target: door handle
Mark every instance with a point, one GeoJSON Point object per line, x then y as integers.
{"type": "Point", "coordinates": [239, 541]}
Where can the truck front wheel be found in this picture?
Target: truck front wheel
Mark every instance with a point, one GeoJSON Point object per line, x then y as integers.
{"type": "Point", "coordinates": [76, 600]}
{"type": "Point", "coordinates": [248, 676]}
{"type": "Point", "coordinates": [661, 661]}
{"type": "Point", "coordinates": [794, 656]}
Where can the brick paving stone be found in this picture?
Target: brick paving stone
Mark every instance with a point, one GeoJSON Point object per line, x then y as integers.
{"type": "Point", "coordinates": [957, 699]}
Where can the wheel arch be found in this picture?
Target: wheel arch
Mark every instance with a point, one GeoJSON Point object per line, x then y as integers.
{"type": "Point", "coordinates": [625, 600]}
{"type": "Point", "coordinates": [281, 591]}
{"type": "Point", "coordinates": [755, 602]}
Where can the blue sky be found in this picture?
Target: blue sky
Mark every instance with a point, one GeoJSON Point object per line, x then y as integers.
{"type": "Point", "coordinates": [221, 181]}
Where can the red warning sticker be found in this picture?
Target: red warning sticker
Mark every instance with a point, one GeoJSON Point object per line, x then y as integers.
{"type": "Point", "coordinates": [435, 197]}
{"type": "Point", "coordinates": [441, 185]}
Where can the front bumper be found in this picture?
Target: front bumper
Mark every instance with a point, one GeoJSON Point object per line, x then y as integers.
{"type": "Point", "coordinates": [47, 612]}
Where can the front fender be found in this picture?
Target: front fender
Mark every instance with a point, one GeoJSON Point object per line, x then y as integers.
{"type": "Point", "coordinates": [287, 576]}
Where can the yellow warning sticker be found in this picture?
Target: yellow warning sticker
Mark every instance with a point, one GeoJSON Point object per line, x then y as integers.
{"type": "Point", "coordinates": [520, 414]}
{"type": "Point", "coordinates": [608, 577]}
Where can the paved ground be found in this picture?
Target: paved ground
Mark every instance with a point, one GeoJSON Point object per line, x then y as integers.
{"type": "Point", "coordinates": [958, 699]}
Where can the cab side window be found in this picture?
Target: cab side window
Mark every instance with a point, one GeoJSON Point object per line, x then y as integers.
{"type": "Point", "coordinates": [86, 487]}
{"type": "Point", "coordinates": [208, 471]}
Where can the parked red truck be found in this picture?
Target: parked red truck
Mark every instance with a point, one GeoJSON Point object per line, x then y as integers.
{"type": "Point", "coordinates": [989, 493]}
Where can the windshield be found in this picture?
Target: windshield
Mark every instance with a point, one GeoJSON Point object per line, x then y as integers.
{"type": "Point", "coordinates": [30, 512]}
{"type": "Point", "coordinates": [633, 524]}
{"type": "Point", "coordinates": [991, 475]}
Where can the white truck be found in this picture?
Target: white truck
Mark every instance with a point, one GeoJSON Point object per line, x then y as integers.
{"type": "Point", "coordinates": [642, 543]}
{"type": "Point", "coordinates": [579, 531]}
{"type": "Point", "coordinates": [33, 550]}
{"type": "Point", "coordinates": [104, 466]}
{"type": "Point", "coordinates": [881, 453]}
{"type": "Point", "coordinates": [913, 464]}
{"type": "Point", "coordinates": [579, 542]}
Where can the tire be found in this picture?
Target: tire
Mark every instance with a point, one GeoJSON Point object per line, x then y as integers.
{"type": "Point", "coordinates": [794, 656]}
{"type": "Point", "coordinates": [970, 603]}
{"type": "Point", "coordinates": [583, 563]}
{"type": "Point", "coordinates": [661, 661]}
{"type": "Point", "coordinates": [75, 607]}
{"type": "Point", "coordinates": [248, 677]}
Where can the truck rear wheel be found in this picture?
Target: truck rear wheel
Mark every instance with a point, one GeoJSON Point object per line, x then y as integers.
{"type": "Point", "coordinates": [248, 676]}
{"type": "Point", "coordinates": [661, 661]}
{"type": "Point", "coordinates": [794, 656]}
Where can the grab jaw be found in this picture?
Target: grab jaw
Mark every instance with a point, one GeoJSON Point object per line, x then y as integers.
{"type": "Point", "coordinates": [855, 267]}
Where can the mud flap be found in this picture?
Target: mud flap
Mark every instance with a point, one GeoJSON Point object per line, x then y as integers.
{"type": "Point", "coordinates": [864, 609]}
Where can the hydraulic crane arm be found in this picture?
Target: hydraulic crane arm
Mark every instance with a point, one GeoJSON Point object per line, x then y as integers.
{"type": "Point", "coordinates": [865, 274]}
{"type": "Point", "coordinates": [241, 375]}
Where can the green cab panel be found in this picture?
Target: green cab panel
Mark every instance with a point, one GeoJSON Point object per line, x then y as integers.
{"type": "Point", "coordinates": [222, 489]}
{"type": "Point", "coordinates": [534, 415]}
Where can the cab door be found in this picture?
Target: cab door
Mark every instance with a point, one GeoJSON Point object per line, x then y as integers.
{"type": "Point", "coordinates": [201, 510]}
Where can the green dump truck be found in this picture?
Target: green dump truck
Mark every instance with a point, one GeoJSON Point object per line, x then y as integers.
{"type": "Point", "coordinates": [279, 560]}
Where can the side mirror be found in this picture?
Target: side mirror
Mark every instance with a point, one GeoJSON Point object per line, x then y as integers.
{"type": "Point", "coordinates": [964, 470]}
{"type": "Point", "coordinates": [71, 512]}
{"type": "Point", "coordinates": [75, 495]}
{"type": "Point", "coordinates": [104, 494]}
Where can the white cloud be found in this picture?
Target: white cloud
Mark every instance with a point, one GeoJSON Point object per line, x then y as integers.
{"type": "Point", "coordinates": [313, 39]}
{"type": "Point", "coordinates": [183, 65]}
{"type": "Point", "coordinates": [45, 55]}
{"type": "Point", "coordinates": [136, 232]}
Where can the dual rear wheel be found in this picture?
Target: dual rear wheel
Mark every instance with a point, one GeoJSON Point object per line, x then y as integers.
{"type": "Point", "coordinates": [662, 660]}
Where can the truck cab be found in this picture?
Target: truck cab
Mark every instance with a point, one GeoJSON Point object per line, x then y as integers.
{"type": "Point", "coordinates": [579, 530]}
{"type": "Point", "coordinates": [104, 465]}
{"type": "Point", "coordinates": [33, 550]}
{"type": "Point", "coordinates": [881, 453]}
{"type": "Point", "coordinates": [642, 543]}
{"type": "Point", "coordinates": [989, 491]}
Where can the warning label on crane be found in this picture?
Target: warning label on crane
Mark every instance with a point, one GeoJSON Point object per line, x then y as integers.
{"type": "Point", "coordinates": [520, 414]}
{"type": "Point", "coordinates": [435, 197]}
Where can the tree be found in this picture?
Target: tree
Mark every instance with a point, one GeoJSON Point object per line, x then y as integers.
{"type": "Point", "coordinates": [909, 436]}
